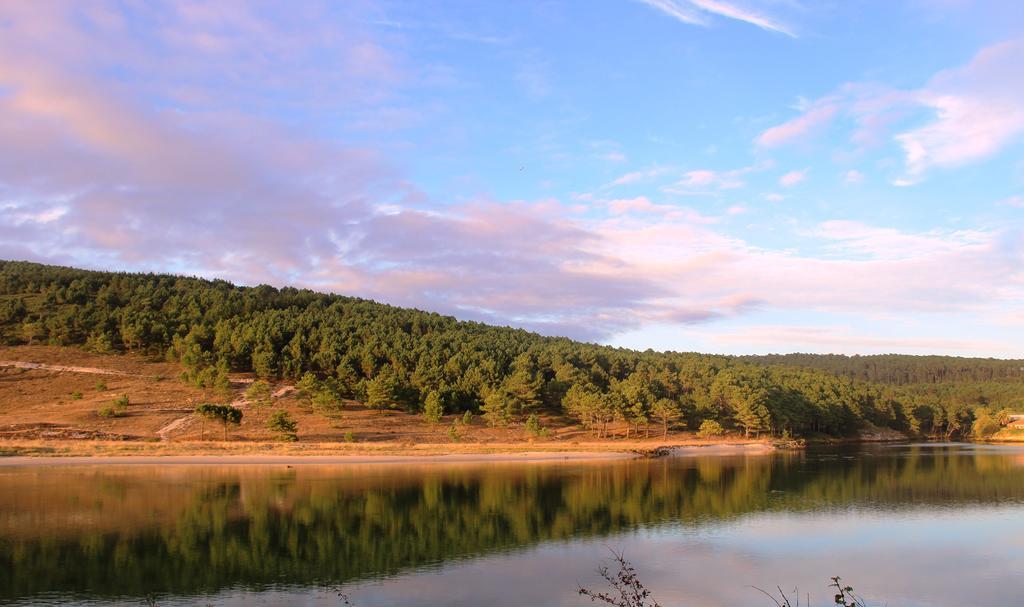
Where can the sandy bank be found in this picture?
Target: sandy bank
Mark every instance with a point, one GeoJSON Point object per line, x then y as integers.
{"type": "Point", "coordinates": [230, 454]}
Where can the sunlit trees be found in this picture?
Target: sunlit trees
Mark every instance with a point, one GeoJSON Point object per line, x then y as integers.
{"type": "Point", "coordinates": [666, 411]}
{"type": "Point", "coordinates": [339, 348]}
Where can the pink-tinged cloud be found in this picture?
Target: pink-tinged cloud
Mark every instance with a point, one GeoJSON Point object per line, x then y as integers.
{"type": "Point", "coordinates": [971, 113]}
{"type": "Point", "coordinates": [978, 110]}
{"type": "Point", "coordinates": [806, 125]}
{"type": "Point", "coordinates": [793, 178]}
{"type": "Point", "coordinates": [1013, 201]}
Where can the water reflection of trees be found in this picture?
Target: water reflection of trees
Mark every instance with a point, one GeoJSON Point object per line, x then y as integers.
{"type": "Point", "coordinates": [256, 527]}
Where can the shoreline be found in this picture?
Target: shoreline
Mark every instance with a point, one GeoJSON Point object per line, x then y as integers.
{"type": "Point", "coordinates": [246, 454]}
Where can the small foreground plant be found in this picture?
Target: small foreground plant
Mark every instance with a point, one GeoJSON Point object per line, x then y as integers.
{"type": "Point", "coordinates": [626, 590]}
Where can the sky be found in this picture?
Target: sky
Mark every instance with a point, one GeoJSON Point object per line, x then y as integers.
{"type": "Point", "coordinates": [694, 175]}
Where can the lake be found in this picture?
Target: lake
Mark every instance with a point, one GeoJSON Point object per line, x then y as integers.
{"type": "Point", "coordinates": [906, 525]}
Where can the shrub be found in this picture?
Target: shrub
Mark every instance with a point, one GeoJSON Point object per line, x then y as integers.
{"type": "Point", "coordinates": [76, 395]}
{"type": "Point", "coordinates": [101, 386]}
{"type": "Point", "coordinates": [710, 428]}
{"type": "Point", "coordinates": [453, 433]}
{"type": "Point", "coordinates": [533, 425]}
{"type": "Point", "coordinates": [258, 394]}
{"type": "Point", "coordinates": [985, 425]}
{"type": "Point", "coordinates": [349, 437]}
{"type": "Point", "coordinates": [117, 408]}
{"type": "Point", "coordinates": [283, 424]}
{"type": "Point", "coordinates": [109, 411]}
{"type": "Point", "coordinates": [326, 403]}
{"type": "Point", "coordinates": [467, 418]}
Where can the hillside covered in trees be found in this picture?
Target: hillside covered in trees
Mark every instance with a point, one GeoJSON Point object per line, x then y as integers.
{"type": "Point", "coordinates": [402, 358]}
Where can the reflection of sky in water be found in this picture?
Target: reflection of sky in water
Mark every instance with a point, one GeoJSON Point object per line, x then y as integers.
{"type": "Point", "coordinates": [927, 557]}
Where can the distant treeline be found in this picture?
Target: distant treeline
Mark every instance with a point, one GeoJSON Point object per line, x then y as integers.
{"type": "Point", "coordinates": [902, 370]}
{"type": "Point", "coordinates": [398, 357]}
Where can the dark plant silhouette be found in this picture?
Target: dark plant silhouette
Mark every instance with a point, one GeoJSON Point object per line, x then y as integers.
{"type": "Point", "coordinates": [626, 588]}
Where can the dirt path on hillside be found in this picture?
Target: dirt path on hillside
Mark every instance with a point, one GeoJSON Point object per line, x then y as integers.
{"type": "Point", "coordinates": [177, 424]}
{"type": "Point", "coordinates": [62, 368]}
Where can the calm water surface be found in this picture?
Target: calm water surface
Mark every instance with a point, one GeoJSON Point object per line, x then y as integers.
{"type": "Point", "coordinates": [907, 525]}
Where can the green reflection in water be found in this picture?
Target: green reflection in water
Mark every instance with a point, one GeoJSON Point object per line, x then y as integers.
{"type": "Point", "coordinates": [184, 530]}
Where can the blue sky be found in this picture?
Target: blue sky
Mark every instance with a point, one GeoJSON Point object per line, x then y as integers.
{"type": "Point", "coordinates": [709, 175]}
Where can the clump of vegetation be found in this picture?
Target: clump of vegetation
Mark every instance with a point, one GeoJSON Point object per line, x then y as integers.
{"type": "Point", "coordinates": [453, 433]}
{"type": "Point", "coordinates": [225, 414]}
{"type": "Point", "coordinates": [326, 403]}
{"type": "Point", "coordinates": [101, 386]}
{"type": "Point", "coordinates": [258, 395]}
{"type": "Point", "coordinates": [283, 424]}
{"type": "Point", "coordinates": [349, 437]}
{"type": "Point", "coordinates": [709, 428]}
{"type": "Point", "coordinates": [209, 377]}
{"type": "Point", "coordinates": [467, 418]}
{"type": "Point", "coordinates": [117, 408]}
{"type": "Point", "coordinates": [76, 395]}
{"type": "Point", "coordinates": [534, 427]}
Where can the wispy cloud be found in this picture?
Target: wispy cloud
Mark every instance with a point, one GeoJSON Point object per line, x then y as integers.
{"type": "Point", "coordinates": [1013, 201]}
{"type": "Point", "coordinates": [969, 113]}
{"type": "Point", "coordinates": [695, 12]}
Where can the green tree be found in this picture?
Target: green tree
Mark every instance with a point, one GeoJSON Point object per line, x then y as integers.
{"type": "Point", "coordinates": [382, 392]}
{"type": "Point", "coordinates": [225, 414]}
{"type": "Point", "coordinates": [433, 408]}
{"type": "Point", "coordinates": [258, 394]}
{"type": "Point", "coordinates": [283, 424]}
{"type": "Point", "coordinates": [499, 407]}
{"type": "Point", "coordinates": [666, 411]}
{"type": "Point", "coordinates": [326, 403]}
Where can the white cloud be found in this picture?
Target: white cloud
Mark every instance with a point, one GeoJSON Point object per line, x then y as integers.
{"type": "Point", "coordinates": [853, 176]}
{"type": "Point", "coordinates": [695, 12]}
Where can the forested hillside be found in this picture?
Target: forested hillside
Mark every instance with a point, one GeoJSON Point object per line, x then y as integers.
{"type": "Point", "coordinates": [395, 357]}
